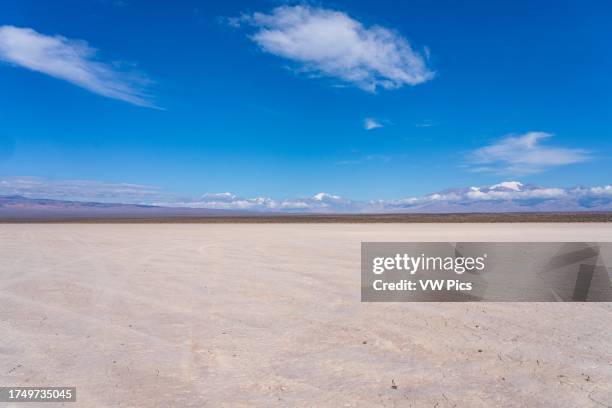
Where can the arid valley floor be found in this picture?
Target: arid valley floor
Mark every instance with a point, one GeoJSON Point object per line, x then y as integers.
{"type": "Point", "coordinates": [196, 315]}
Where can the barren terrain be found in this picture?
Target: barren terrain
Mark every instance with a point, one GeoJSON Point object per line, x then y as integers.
{"type": "Point", "coordinates": [192, 315]}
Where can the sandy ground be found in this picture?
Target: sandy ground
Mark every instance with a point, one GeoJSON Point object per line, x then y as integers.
{"type": "Point", "coordinates": [270, 315]}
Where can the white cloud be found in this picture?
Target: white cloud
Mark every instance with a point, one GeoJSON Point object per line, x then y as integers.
{"type": "Point", "coordinates": [225, 201]}
{"type": "Point", "coordinates": [600, 190]}
{"type": "Point", "coordinates": [325, 196]}
{"type": "Point", "coordinates": [72, 61]}
{"type": "Point", "coordinates": [525, 154]}
{"type": "Point", "coordinates": [510, 185]}
{"type": "Point", "coordinates": [476, 193]}
{"type": "Point", "coordinates": [320, 202]}
{"type": "Point", "coordinates": [371, 123]}
{"type": "Point", "coordinates": [331, 43]}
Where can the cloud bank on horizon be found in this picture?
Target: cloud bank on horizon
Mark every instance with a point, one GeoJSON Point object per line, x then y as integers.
{"type": "Point", "coordinates": [507, 196]}
{"type": "Point", "coordinates": [70, 60]}
{"type": "Point", "coordinates": [331, 43]}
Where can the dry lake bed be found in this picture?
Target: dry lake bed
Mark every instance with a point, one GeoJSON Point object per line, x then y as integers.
{"type": "Point", "coordinates": [196, 315]}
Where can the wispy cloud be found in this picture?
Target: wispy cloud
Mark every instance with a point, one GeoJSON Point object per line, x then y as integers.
{"type": "Point", "coordinates": [331, 43]}
{"type": "Point", "coordinates": [71, 60]}
{"type": "Point", "coordinates": [524, 154]}
{"type": "Point", "coordinates": [371, 123]}
{"type": "Point", "coordinates": [81, 190]}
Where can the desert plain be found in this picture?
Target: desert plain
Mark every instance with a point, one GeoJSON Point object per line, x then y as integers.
{"type": "Point", "coordinates": [241, 315]}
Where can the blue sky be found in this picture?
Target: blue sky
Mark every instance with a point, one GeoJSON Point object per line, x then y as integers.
{"type": "Point", "coordinates": [367, 100]}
